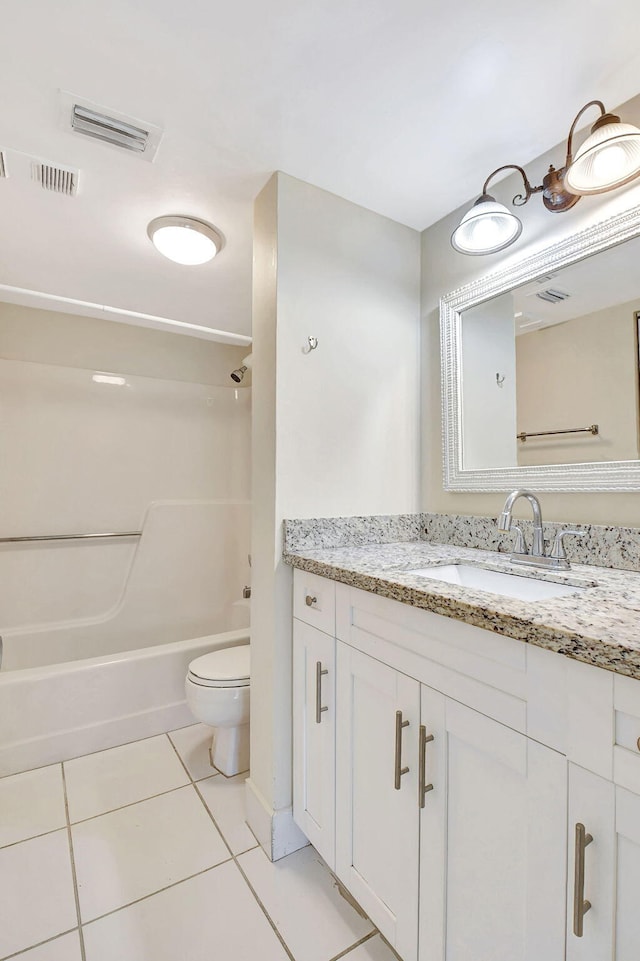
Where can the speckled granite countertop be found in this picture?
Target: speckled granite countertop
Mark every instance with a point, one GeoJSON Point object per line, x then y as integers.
{"type": "Point", "coordinates": [600, 626]}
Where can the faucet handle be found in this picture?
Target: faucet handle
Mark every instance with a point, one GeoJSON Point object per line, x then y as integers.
{"type": "Point", "coordinates": [558, 542]}
{"type": "Point", "coordinates": [520, 546]}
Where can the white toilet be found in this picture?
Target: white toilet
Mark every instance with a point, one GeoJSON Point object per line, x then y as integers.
{"type": "Point", "coordinates": [217, 689]}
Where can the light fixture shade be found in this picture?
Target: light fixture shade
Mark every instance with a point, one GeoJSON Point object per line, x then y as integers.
{"type": "Point", "coordinates": [486, 228]}
{"type": "Point", "coordinates": [184, 240]}
{"type": "Point", "coordinates": [608, 158]}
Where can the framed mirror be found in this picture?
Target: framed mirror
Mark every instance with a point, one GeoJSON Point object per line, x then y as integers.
{"type": "Point", "coordinates": [540, 369]}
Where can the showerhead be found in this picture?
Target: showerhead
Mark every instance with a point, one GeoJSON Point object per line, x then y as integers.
{"type": "Point", "coordinates": [238, 374]}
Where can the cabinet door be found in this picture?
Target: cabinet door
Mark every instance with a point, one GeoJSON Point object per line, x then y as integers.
{"type": "Point", "coordinates": [590, 867]}
{"type": "Point", "coordinates": [627, 916]}
{"type": "Point", "coordinates": [377, 819]}
{"type": "Point", "coordinates": [314, 737]}
{"type": "Point", "coordinates": [504, 834]}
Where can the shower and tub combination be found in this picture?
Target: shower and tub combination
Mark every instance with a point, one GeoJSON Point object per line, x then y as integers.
{"type": "Point", "coordinates": [98, 632]}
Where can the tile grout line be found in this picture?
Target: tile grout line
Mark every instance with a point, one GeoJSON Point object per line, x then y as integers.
{"type": "Point", "coordinates": [152, 894]}
{"type": "Point", "coordinates": [73, 865]}
{"type": "Point", "coordinates": [235, 859]}
{"type": "Point", "coordinates": [347, 951]}
{"type": "Point", "coordinates": [40, 944]}
{"type": "Point", "coordinates": [92, 817]}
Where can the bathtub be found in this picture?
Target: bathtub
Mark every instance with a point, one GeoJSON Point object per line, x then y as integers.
{"type": "Point", "coordinates": [54, 713]}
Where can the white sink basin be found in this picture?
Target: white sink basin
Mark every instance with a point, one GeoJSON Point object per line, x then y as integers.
{"type": "Point", "coordinates": [496, 582]}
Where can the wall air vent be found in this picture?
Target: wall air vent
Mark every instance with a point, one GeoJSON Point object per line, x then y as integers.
{"type": "Point", "coordinates": [553, 296]}
{"type": "Point", "coordinates": [110, 127]}
{"type": "Point", "coordinates": [3, 165]}
{"type": "Point", "coordinates": [53, 177]}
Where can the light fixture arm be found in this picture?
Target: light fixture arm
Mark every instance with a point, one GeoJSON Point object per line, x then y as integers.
{"type": "Point", "coordinates": [592, 103]}
{"type": "Point", "coordinates": [519, 200]}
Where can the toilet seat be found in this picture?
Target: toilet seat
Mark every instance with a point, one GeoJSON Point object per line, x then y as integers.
{"type": "Point", "coordinates": [229, 667]}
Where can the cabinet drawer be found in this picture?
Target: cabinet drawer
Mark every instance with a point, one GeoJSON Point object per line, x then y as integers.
{"type": "Point", "coordinates": [626, 751]}
{"type": "Point", "coordinates": [314, 601]}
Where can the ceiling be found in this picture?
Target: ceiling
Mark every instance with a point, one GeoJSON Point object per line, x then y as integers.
{"type": "Point", "coordinates": [403, 108]}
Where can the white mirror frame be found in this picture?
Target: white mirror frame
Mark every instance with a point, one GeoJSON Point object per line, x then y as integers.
{"type": "Point", "coordinates": [603, 476]}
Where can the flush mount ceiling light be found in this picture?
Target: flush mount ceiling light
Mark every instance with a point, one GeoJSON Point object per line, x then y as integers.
{"type": "Point", "coordinates": [608, 158]}
{"type": "Point", "coordinates": [185, 240]}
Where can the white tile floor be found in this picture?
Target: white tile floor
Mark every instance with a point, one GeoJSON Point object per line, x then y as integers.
{"type": "Point", "coordinates": [142, 853]}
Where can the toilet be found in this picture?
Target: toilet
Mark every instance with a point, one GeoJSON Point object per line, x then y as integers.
{"type": "Point", "coordinates": [217, 690]}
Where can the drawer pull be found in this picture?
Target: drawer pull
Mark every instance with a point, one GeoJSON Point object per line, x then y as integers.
{"type": "Point", "coordinates": [423, 787]}
{"type": "Point", "coordinates": [319, 675]}
{"type": "Point", "coordinates": [399, 770]}
{"type": "Point", "coordinates": [638, 743]}
{"type": "Point", "coordinates": [580, 906]}
{"type": "Point", "coordinates": [310, 601]}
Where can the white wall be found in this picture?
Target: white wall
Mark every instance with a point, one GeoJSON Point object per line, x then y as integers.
{"type": "Point", "coordinates": [335, 431]}
{"type": "Point", "coordinates": [489, 407]}
{"type": "Point", "coordinates": [82, 456]}
{"type": "Point", "coordinates": [444, 270]}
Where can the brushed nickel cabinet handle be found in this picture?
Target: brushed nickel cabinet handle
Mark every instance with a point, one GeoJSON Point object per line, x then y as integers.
{"type": "Point", "coordinates": [399, 770]}
{"type": "Point", "coordinates": [310, 601]}
{"type": "Point", "coordinates": [319, 675]}
{"type": "Point", "coordinates": [580, 906]}
{"type": "Point", "coordinates": [423, 787]}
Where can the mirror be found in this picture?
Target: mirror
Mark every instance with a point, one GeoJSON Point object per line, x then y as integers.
{"type": "Point", "coordinates": [541, 370]}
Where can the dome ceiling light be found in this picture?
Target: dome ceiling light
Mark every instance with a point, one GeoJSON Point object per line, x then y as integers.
{"type": "Point", "coordinates": [185, 240]}
{"type": "Point", "coordinates": [608, 158]}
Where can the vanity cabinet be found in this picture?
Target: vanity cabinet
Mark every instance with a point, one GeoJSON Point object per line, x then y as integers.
{"type": "Point", "coordinates": [493, 837]}
{"type": "Point", "coordinates": [603, 920]}
{"type": "Point", "coordinates": [435, 797]}
{"type": "Point", "coordinates": [377, 815]}
{"type": "Point", "coordinates": [314, 738]}
{"type": "Point", "coordinates": [462, 763]}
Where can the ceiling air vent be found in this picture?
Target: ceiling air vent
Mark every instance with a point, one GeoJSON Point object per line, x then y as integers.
{"type": "Point", "coordinates": [109, 126]}
{"type": "Point", "coordinates": [553, 296]}
{"type": "Point", "coordinates": [106, 128]}
{"type": "Point", "coordinates": [3, 165]}
{"type": "Point", "coordinates": [53, 177]}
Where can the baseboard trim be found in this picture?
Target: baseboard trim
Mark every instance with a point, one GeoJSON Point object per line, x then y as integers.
{"type": "Point", "coordinates": [276, 831]}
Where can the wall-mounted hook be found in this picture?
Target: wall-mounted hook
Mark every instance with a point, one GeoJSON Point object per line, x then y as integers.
{"type": "Point", "coordinates": [499, 380]}
{"type": "Point", "coordinates": [312, 344]}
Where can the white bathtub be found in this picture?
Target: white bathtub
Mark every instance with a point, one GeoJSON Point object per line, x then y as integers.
{"type": "Point", "coordinates": [53, 713]}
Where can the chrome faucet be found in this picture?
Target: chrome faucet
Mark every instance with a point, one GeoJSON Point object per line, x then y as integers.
{"type": "Point", "coordinates": [538, 557]}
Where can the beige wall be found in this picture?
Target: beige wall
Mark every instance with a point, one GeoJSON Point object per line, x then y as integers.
{"type": "Point", "coordinates": [582, 372]}
{"type": "Point", "coordinates": [335, 430]}
{"type": "Point", "coordinates": [444, 270]}
{"type": "Point", "coordinates": [71, 340]}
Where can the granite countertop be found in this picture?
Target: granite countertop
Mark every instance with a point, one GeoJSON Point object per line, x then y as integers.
{"type": "Point", "coordinates": [600, 626]}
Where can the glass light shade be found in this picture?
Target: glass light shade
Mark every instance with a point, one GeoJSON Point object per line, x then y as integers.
{"type": "Point", "coordinates": [486, 228]}
{"type": "Point", "coordinates": [608, 158]}
{"type": "Point", "coordinates": [184, 240]}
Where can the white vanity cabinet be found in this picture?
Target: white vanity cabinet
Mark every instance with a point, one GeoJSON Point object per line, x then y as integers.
{"type": "Point", "coordinates": [435, 797]}
{"type": "Point", "coordinates": [604, 868]}
{"type": "Point", "coordinates": [314, 735]}
{"type": "Point", "coordinates": [493, 836]}
{"type": "Point", "coordinates": [463, 762]}
{"type": "Point", "coordinates": [377, 815]}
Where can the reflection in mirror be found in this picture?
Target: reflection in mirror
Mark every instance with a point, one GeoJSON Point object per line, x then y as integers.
{"type": "Point", "coordinates": [550, 368]}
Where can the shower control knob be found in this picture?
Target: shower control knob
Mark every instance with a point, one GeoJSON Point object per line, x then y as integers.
{"type": "Point", "coordinates": [310, 601]}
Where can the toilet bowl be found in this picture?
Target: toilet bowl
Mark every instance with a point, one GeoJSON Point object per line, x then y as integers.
{"type": "Point", "coordinates": [217, 689]}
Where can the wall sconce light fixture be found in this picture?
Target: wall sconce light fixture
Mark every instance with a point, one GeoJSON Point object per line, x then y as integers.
{"type": "Point", "coordinates": [608, 158]}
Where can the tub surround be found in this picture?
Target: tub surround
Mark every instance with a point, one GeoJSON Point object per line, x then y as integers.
{"type": "Point", "coordinates": [598, 627]}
